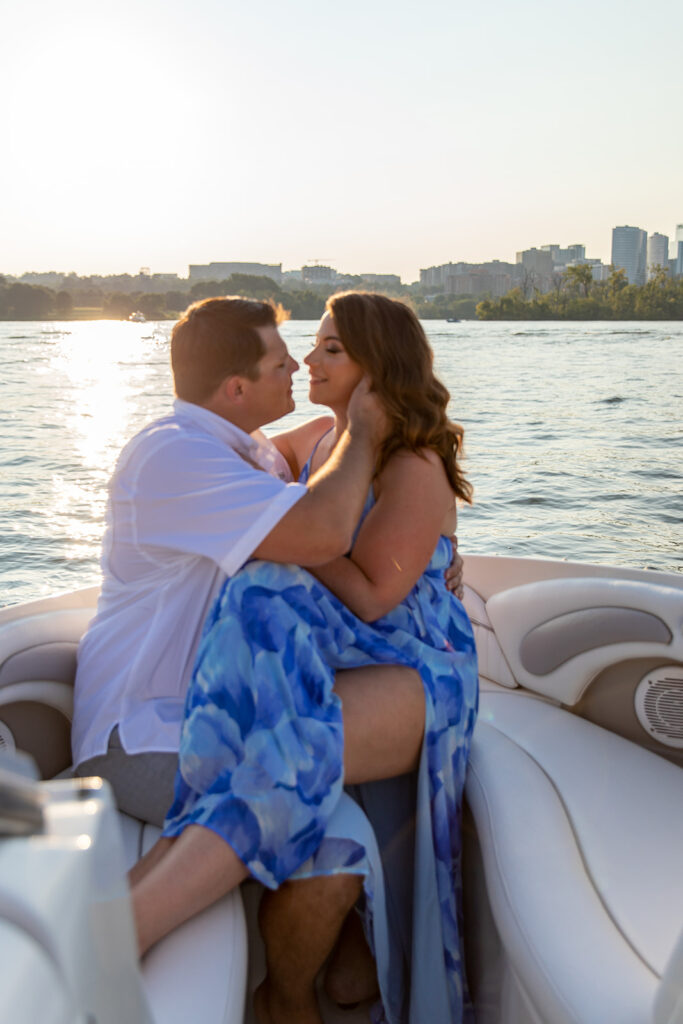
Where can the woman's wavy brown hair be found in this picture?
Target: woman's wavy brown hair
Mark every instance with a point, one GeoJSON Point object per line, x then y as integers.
{"type": "Point", "coordinates": [386, 339]}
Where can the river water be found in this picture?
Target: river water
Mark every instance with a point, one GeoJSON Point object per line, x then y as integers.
{"type": "Point", "coordinates": [573, 438]}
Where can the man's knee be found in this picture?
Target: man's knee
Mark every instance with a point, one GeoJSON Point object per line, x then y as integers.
{"type": "Point", "coordinates": [322, 896]}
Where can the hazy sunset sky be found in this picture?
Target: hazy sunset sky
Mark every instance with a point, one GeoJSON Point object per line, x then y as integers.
{"type": "Point", "coordinates": [376, 136]}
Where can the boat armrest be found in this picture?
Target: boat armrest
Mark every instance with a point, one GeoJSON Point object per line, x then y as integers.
{"type": "Point", "coordinates": [558, 635]}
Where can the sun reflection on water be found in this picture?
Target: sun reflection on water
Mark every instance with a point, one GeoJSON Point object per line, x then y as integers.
{"type": "Point", "coordinates": [100, 369]}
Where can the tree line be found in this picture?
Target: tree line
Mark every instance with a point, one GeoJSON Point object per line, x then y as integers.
{"type": "Point", "coordinates": [81, 299]}
{"type": "Point", "coordinates": [576, 296]}
{"type": "Point", "coordinates": [20, 301]}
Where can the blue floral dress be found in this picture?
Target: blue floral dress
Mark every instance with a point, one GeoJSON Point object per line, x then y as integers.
{"type": "Point", "coordinates": [261, 764]}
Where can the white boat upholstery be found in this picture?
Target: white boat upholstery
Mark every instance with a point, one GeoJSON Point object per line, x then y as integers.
{"type": "Point", "coordinates": [197, 973]}
{"type": "Point", "coordinates": [558, 635]}
{"type": "Point", "coordinates": [492, 664]}
{"type": "Point", "coordinates": [64, 887]}
{"type": "Point", "coordinates": [30, 982]}
{"type": "Point", "coordinates": [579, 829]}
{"type": "Point", "coordinates": [581, 834]}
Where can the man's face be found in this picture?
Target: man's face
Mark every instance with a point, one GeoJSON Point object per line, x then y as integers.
{"type": "Point", "coordinates": [270, 396]}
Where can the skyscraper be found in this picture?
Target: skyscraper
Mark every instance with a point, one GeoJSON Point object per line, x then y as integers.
{"type": "Point", "coordinates": [678, 253]}
{"type": "Point", "coordinates": [629, 252]}
{"type": "Point", "coordinates": [657, 252]}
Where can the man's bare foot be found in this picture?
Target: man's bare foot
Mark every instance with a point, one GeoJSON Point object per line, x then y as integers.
{"type": "Point", "coordinates": [351, 973]}
{"type": "Point", "coordinates": [268, 1009]}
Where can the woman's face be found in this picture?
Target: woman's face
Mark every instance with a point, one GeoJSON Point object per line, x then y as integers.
{"type": "Point", "coordinates": [333, 374]}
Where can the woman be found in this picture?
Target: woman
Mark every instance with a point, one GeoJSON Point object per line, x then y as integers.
{"type": "Point", "coordinates": [262, 745]}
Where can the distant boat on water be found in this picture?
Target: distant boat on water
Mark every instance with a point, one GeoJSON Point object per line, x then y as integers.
{"type": "Point", "coordinates": [137, 317]}
{"type": "Point", "coordinates": [452, 320]}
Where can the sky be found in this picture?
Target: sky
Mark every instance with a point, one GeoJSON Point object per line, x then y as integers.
{"type": "Point", "coordinates": [378, 136]}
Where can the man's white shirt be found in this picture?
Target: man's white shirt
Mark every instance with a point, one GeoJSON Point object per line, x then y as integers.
{"type": "Point", "coordinates": [187, 507]}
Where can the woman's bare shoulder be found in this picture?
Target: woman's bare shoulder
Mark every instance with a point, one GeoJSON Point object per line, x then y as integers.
{"type": "Point", "coordinates": [407, 463]}
{"type": "Point", "coordinates": [309, 432]}
{"type": "Point", "coordinates": [298, 443]}
{"type": "Point", "coordinates": [421, 472]}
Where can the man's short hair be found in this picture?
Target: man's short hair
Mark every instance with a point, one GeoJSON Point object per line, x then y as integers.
{"type": "Point", "coordinates": [215, 339]}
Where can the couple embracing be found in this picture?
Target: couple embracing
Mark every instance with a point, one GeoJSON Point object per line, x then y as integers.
{"type": "Point", "coordinates": [280, 616]}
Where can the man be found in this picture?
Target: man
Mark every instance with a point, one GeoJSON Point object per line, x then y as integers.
{"type": "Point", "coordinates": [189, 504]}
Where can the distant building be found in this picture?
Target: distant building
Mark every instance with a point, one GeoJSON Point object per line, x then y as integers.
{"type": "Point", "coordinates": [382, 280]}
{"type": "Point", "coordinates": [601, 271]}
{"type": "Point", "coordinates": [221, 271]}
{"type": "Point", "coordinates": [291, 277]}
{"type": "Point", "coordinates": [538, 267]}
{"type": "Point", "coordinates": [678, 251]}
{"type": "Point", "coordinates": [494, 278]}
{"type": "Point", "coordinates": [563, 258]}
{"type": "Point", "coordinates": [159, 283]}
{"type": "Point", "coordinates": [629, 252]}
{"type": "Point", "coordinates": [434, 278]}
{"type": "Point", "coordinates": [657, 252]}
{"type": "Point", "coordinates": [319, 274]}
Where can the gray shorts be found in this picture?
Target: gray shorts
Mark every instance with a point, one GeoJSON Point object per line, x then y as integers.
{"type": "Point", "coordinates": [142, 783]}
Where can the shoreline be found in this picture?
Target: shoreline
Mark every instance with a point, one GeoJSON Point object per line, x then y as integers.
{"type": "Point", "coordinates": [171, 317]}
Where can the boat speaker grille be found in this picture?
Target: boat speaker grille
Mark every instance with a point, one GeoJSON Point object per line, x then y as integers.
{"type": "Point", "coordinates": [7, 744]}
{"type": "Point", "coordinates": [659, 704]}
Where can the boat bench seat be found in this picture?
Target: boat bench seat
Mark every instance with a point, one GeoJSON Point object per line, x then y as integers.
{"type": "Point", "coordinates": [212, 946]}
{"type": "Point", "coordinates": [37, 669]}
{"type": "Point", "coordinates": [581, 835]}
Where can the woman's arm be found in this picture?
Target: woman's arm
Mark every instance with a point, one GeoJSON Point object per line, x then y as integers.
{"type": "Point", "coordinates": [397, 539]}
{"type": "Point", "coordinates": [297, 444]}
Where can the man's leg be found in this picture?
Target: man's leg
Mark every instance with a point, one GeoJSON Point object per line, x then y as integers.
{"type": "Point", "coordinates": [142, 783]}
{"type": "Point", "coordinates": [383, 712]}
{"type": "Point", "coordinates": [300, 923]}
{"type": "Point", "coordinates": [351, 975]}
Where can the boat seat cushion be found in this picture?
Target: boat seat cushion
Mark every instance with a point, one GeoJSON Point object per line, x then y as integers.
{"type": "Point", "coordinates": [492, 664]}
{"type": "Point", "coordinates": [581, 834]}
{"type": "Point", "coordinates": [212, 946]}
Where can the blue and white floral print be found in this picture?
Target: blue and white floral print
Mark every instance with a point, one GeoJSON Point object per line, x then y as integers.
{"type": "Point", "coordinates": [262, 745]}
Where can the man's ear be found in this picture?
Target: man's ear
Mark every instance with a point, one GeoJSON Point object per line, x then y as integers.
{"type": "Point", "coordinates": [233, 388]}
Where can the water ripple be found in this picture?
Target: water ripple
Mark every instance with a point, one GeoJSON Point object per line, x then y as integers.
{"type": "Point", "coordinates": [554, 475]}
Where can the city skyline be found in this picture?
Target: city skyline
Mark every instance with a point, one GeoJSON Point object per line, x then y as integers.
{"type": "Point", "coordinates": [670, 243]}
{"type": "Point", "coordinates": [379, 140]}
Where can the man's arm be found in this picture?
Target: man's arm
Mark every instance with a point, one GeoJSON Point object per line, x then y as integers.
{"type": "Point", "coordinates": [319, 527]}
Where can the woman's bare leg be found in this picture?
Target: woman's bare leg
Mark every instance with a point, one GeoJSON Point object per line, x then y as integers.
{"type": "Point", "coordinates": [384, 716]}
{"type": "Point", "coordinates": [150, 859]}
{"type": "Point", "coordinates": [197, 870]}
